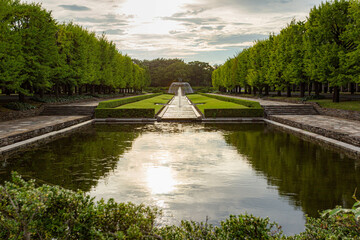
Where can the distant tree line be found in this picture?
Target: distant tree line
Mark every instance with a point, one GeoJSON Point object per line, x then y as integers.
{"type": "Point", "coordinates": [322, 53]}
{"type": "Point", "coordinates": [39, 55]}
{"type": "Point", "coordinates": [165, 71]}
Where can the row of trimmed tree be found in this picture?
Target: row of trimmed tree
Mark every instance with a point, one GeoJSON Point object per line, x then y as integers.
{"type": "Point", "coordinates": [39, 55]}
{"type": "Point", "coordinates": [322, 51]}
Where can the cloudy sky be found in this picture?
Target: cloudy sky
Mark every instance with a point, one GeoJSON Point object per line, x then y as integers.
{"type": "Point", "coordinates": [204, 30]}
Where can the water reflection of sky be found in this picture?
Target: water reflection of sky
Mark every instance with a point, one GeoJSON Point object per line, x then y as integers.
{"type": "Point", "coordinates": [192, 173]}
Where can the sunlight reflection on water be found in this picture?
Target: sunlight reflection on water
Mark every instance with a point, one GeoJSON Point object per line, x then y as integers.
{"type": "Point", "coordinates": [191, 173]}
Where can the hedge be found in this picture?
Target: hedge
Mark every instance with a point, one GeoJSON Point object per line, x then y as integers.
{"type": "Point", "coordinates": [234, 112]}
{"type": "Point", "coordinates": [124, 113]}
{"type": "Point", "coordinates": [254, 108]}
{"type": "Point", "coordinates": [247, 103]}
{"type": "Point", "coordinates": [118, 102]}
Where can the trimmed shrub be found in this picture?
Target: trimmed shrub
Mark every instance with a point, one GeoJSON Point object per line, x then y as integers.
{"type": "Point", "coordinates": [254, 109]}
{"type": "Point", "coordinates": [124, 113]}
{"type": "Point", "coordinates": [234, 112]}
{"type": "Point", "coordinates": [247, 103]}
{"type": "Point", "coordinates": [118, 102]}
{"type": "Point", "coordinates": [19, 106]}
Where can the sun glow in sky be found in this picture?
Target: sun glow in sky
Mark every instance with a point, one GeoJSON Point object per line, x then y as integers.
{"type": "Point", "coordinates": [203, 30]}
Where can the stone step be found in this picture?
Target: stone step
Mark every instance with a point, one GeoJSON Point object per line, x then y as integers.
{"type": "Point", "coordinates": [290, 110]}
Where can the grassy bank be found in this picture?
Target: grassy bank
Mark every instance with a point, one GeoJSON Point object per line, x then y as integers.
{"type": "Point", "coordinates": [346, 105]}
{"type": "Point", "coordinates": [153, 103]}
{"type": "Point", "coordinates": [203, 102]}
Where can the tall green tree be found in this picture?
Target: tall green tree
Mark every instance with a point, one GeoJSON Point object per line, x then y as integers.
{"type": "Point", "coordinates": [11, 58]}
{"type": "Point", "coordinates": [37, 29]}
{"type": "Point", "coordinates": [326, 46]}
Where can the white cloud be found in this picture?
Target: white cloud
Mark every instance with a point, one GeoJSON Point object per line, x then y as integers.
{"type": "Point", "coordinates": [181, 28]}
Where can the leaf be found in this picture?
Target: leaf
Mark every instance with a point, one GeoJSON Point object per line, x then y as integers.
{"type": "Point", "coordinates": [335, 211]}
{"type": "Point", "coordinates": [357, 216]}
{"type": "Point", "coordinates": [356, 205]}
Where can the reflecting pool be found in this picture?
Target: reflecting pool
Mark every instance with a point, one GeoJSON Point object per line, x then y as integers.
{"type": "Point", "coordinates": [194, 171]}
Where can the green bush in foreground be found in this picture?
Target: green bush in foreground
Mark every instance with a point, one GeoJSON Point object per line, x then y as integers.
{"type": "Point", "coordinates": [51, 212]}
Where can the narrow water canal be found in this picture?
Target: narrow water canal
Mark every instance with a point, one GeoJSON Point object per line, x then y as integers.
{"type": "Point", "coordinates": [194, 171]}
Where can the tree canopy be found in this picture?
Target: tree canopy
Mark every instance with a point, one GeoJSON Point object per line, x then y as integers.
{"type": "Point", "coordinates": [38, 54]}
{"type": "Point", "coordinates": [165, 71]}
{"type": "Point", "coordinates": [324, 49]}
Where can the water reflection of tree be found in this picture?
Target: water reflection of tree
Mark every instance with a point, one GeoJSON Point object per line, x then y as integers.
{"type": "Point", "coordinates": [75, 162]}
{"type": "Point", "coordinates": [312, 177]}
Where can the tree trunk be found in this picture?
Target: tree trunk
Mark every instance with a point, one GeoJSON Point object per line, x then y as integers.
{"type": "Point", "coordinates": [352, 88]}
{"type": "Point", "coordinates": [288, 92]}
{"type": "Point", "coordinates": [279, 93]}
{"type": "Point", "coordinates": [310, 88]}
{"type": "Point", "coordinates": [57, 90]}
{"type": "Point", "coordinates": [249, 89]}
{"type": "Point", "coordinates": [317, 90]}
{"type": "Point", "coordinates": [336, 94]}
{"type": "Point", "coordinates": [69, 90]}
{"type": "Point", "coordinates": [302, 89]}
{"type": "Point", "coordinates": [80, 90]}
{"type": "Point", "coordinates": [255, 90]}
{"type": "Point", "coordinates": [7, 92]}
{"type": "Point", "coordinates": [267, 90]}
{"type": "Point", "coordinates": [260, 90]}
{"type": "Point", "coordinates": [41, 93]}
{"type": "Point", "coordinates": [21, 97]}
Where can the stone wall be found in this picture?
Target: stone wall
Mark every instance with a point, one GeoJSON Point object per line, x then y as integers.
{"type": "Point", "coordinates": [8, 116]}
{"type": "Point", "coordinates": [346, 114]}
{"type": "Point", "coordinates": [40, 131]}
{"type": "Point", "coordinates": [354, 140]}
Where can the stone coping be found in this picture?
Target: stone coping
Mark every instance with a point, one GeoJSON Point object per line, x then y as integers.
{"type": "Point", "coordinates": [326, 137]}
{"type": "Point", "coordinates": [342, 130]}
{"type": "Point", "coordinates": [27, 128]}
{"type": "Point", "coordinates": [233, 120]}
{"type": "Point", "coordinates": [330, 143]}
{"type": "Point", "coordinates": [11, 149]}
{"type": "Point", "coordinates": [124, 120]}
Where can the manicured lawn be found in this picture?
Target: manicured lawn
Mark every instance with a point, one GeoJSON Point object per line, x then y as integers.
{"type": "Point", "coordinates": [346, 105]}
{"type": "Point", "coordinates": [203, 102]}
{"type": "Point", "coordinates": [150, 102]}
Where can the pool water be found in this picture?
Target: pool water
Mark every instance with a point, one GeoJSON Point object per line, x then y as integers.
{"type": "Point", "coordinates": [197, 171]}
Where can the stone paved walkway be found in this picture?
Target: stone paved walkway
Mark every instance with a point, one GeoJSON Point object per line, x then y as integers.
{"type": "Point", "coordinates": [179, 108]}
{"type": "Point", "coordinates": [332, 127]}
{"type": "Point", "coordinates": [22, 129]}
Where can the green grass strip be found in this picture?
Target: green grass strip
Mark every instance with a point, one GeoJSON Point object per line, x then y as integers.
{"type": "Point", "coordinates": [247, 103]}
{"type": "Point", "coordinates": [122, 101]}
{"type": "Point", "coordinates": [204, 102]}
{"type": "Point", "coordinates": [149, 103]}
{"type": "Point", "coordinates": [346, 105]}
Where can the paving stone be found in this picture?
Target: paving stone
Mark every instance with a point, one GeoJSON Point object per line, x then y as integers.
{"type": "Point", "coordinates": [179, 108]}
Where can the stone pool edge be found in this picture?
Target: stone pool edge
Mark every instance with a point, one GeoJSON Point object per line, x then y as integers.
{"type": "Point", "coordinates": [330, 143]}
{"type": "Point", "coordinates": [42, 139]}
